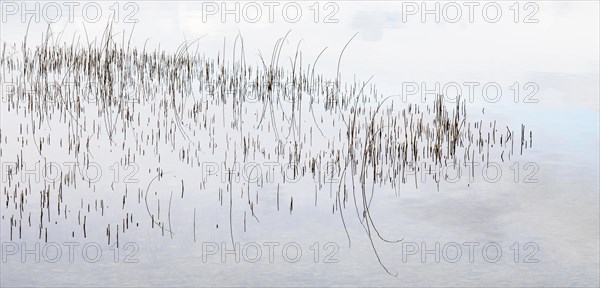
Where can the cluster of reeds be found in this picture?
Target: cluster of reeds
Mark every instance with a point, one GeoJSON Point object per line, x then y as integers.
{"type": "Point", "coordinates": [105, 93]}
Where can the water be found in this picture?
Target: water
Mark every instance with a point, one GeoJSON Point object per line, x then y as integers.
{"type": "Point", "coordinates": [545, 221]}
